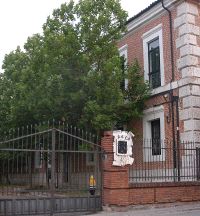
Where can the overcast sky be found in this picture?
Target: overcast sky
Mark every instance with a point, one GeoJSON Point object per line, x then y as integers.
{"type": "Point", "coordinates": [22, 18]}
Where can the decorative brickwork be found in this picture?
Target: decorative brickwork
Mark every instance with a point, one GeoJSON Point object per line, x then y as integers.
{"type": "Point", "coordinates": [115, 179]}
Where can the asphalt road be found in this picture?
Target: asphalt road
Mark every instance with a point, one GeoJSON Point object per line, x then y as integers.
{"type": "Point", "coordinates": [178, 209]}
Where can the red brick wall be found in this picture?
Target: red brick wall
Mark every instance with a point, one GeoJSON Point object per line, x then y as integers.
{"type": "Point", "coordinates": [117, 190]}
{"type": "Point", "coordinates": [135, 51]}
{"type": "Point", "coordinates": [135, 43]}
{"type": "Point", "coordinates": [164, 194]}
{"type": "Point", "coordinates": [115, 179]}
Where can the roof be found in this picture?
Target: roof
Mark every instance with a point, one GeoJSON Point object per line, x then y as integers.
{"type": "Point", "coordinates": [143, 11]}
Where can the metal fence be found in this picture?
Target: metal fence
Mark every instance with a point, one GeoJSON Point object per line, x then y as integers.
{"type": "Point", "coordinates": [46, 169]}
{"type": "Point", "coordinates": [157, 161]}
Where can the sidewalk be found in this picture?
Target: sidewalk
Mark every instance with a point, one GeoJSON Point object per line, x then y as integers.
{"type": "Point", "coordinates": [172, 209]}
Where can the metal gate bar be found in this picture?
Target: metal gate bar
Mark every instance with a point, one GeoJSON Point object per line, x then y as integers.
{"type": "Point", "coordinates": [45, 169]}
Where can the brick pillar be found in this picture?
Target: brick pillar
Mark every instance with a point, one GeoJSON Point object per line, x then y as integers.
{"type": "Point", "coordinates": [115, 179]}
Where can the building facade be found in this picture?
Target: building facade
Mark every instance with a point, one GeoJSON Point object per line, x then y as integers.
{"type": "Point", "coordinates": [165, 39]}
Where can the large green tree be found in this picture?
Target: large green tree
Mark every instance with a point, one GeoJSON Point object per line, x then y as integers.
{"type": "Point", "coordinates": [72, 71]}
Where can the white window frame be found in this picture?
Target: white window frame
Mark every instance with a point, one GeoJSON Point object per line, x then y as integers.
{"type": "Point", "coordinates": [148, 37]}
{"type": "Point", "coordinates": [123, 51]}
{"type": "Point", "coordinates": [150, 115]}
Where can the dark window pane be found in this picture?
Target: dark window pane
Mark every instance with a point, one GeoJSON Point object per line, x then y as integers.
{"type": "Point", "coordinates": [122, 147]}
{"type": "Point", "coordinates": [154, 63]}
{"type": "Point", "coordinates": [155, 80]}
{"type": "Point", "coordinates": [156, 141]}
{"type": "Point", "coordinates": [122, 84]}
{"type": "Point", "coordinates": [123, 60]}
{"type": "Point", "coordinates": [154, 44]}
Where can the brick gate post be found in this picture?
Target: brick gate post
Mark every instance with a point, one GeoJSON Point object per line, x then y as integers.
{"type": "Point", "coordinates": [115, 179]}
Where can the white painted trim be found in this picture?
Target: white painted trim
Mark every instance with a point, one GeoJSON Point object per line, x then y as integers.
{"type": "Point", "coordinates": [147, 37]}
{"type": "Point", "coordinates": [125, 47]}
{"type": "Point", "coordinates": [154, 110]}
{"type": "Point", "coordinates": [186, 81]}
{"type": "Point", "coordinates": [176, 84]}
{"type": "Point", "coordinates": [152, 31]}
{"type": "Point", "coordinates": [150, 115]}
{"type": "Point", "coordinates": [164, 88]}
{"type": "Point", "coordinates": [123, 51]}
{"type": "Point", "coordinates": [150, 14]}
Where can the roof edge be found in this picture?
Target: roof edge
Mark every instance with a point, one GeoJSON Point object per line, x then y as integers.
{"type": "Point", "coordinates": [148, 14]}
{"type": "Point", "coordinates": [143, 11]}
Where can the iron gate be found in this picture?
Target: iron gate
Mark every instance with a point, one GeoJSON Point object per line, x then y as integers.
{"type": "Point", "coordinates": [47, 171]}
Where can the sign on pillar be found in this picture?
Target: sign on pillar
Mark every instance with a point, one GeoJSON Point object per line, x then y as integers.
{"type": "Point", "coordinates": [122, 148]}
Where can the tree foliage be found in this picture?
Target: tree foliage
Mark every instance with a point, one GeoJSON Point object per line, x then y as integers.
{"type": "Point", "coordinates": [72, 71]}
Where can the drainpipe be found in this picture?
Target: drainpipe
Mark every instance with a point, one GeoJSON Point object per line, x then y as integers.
{"type": "Point", "coordinates": [171, 38]}
{"type": "Point", "coordinates": [173, 99]}
{"type": "Point", "coordinates": [176, 98]}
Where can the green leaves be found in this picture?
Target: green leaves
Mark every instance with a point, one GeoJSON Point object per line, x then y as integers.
{"type": "Point", "coordinates": [135, 95]}
{"type": "Point", "coordinates": [72, 71]}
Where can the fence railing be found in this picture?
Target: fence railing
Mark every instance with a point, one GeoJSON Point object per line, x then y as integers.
{"type": "Point", "coordinates": [157, 161]}
{"type": "Point", "coordinates": [37, 158]}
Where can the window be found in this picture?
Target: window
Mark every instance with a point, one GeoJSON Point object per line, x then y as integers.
{"type": "Point", "coordinates": [123, 55]}
{"type": "Point", "coordinates": [154, 63]}
{"type": "Point", "coordinates": [153, 57]}
{"type": "Point", "coordinates": [155, 134]}
{"type": "Point", "coordinates": [123, 65]}
{"type": "Point", "coordinates": [124, 82]}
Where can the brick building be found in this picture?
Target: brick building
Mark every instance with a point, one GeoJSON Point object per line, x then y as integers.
{"type": "Point", "coordinates": [165, 39]}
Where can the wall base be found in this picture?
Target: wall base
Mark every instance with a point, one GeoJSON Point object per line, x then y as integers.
{"type": "Point", "coordinates": [153, 194]}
